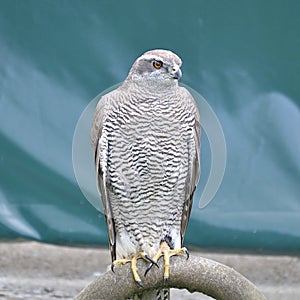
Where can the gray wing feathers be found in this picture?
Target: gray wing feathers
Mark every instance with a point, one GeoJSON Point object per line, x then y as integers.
{"type": "Point", "coordinates": [100, 147]}
{"type": "Point", "coordinates": [194, 162]}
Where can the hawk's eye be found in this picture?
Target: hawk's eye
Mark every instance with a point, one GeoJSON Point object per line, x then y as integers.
{"type": "Point", "coordinates": [157, 64]}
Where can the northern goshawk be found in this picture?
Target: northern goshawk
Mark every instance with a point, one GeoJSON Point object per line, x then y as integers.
{"type": "Point", "coordinates": [146, 138]}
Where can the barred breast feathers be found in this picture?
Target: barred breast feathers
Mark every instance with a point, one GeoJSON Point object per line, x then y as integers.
{"type": "Point", "coordinates": [124, 110]}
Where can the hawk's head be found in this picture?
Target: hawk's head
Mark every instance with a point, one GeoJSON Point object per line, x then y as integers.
{"type": "Point", "coordinates": [157, 66]}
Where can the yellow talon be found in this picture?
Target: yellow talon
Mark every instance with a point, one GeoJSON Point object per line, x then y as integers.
{"type": "Point", "coordinates": [165, 251]}
{"type": "Point", "coordinates": [119, 262]}
{"type": "Point", "coordinates": [133, 262]}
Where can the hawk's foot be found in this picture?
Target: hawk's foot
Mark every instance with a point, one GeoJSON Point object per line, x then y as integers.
{"type": "Point", "coordinates": [133, 262]}
{"type": "Point", "coordinates": [165, 251]}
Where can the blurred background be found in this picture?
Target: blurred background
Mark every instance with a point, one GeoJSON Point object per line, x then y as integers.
{"type": "Point", "coordinates": [241, 56]}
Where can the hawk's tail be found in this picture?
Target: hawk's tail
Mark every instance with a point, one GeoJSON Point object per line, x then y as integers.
{"type": "Point", "coordinates": [163, 294]}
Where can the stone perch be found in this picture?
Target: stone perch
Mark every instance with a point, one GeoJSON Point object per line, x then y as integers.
{"type": "Point", "coordinates": [198, 275]}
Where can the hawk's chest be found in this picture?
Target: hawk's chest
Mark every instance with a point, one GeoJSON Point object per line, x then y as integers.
{"type": "Point", "coordinates": [149, 138]}
{"type": "Point", "coordinates": [136, 115]}
{"type": "Point", "coordinates": [150, 121]}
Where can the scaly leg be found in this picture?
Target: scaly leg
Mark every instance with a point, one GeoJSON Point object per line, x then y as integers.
{"type": "Point", "coordinates": [165, 251]}
{"type": "Point", "coordinates": [133, 262]}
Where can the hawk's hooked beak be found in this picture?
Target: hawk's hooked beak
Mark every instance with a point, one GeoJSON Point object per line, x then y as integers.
{"type": "Point", "coordinates": [176, 73]}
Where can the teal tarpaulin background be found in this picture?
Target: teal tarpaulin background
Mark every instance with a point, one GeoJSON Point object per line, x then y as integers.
{"type": "Point", "coordinates": [242, 56]}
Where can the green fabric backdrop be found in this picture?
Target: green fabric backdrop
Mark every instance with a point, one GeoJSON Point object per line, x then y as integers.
{"type": "Point", "coordinates": [242, 56]}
